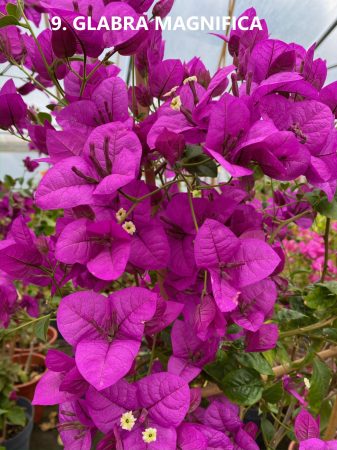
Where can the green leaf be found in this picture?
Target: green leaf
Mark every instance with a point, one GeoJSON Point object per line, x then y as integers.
{"type": "Point", "coordinates": [9, 181]}
{"type": "Point", "coordinates": [223, 364]}
{"type": "Point", "coordinates": [320, 298]}
{"type": "Point", "coordinates": [330, 333]}
{"type": "Point", "coordinates": [13, 10]}
{"type": "Point", "coordinates": [324, 414]}
{"type": "Point", "coordinates": [274, 393]}
{"type": "Point", "coordinates": [330, 285]}
{"type": "Point", "coordinates": [207, 169]}
{"type": "Point", "coordinates": [17, 416]}
{"type": "Point", "coordinates": [327, 209]}
{"type": "Point", "coordinates": [233, 329]}
{"type": "Point", "coordinates": [6, 21]}
{"type": "Point", "coordinates": [258, 173]}
{"type": "Point", "coordinates": [198, 163]}
{"type": "Point", "coordinates": [53, 106]}
{"type": "Point", "coordinates": [285, 315]}
{"type": "Point", "coordinates": [255, 361]}
{"type": "Point", "coordinates": [319, 384]}
{"type": "Point", "coordinates": [268, 431]}
{"type": "Point", "coordinates": [41, 328]}
{"type": "Point", "coordinates": [243, 386]}
{"type": "Point", "coordinates": [42, 117]}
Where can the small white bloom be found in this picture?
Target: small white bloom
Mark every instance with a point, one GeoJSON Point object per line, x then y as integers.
{"type": "Point", "coordinates": [171, 92]}
{"type": "Point", "coordinates": [190, 79]}
{"type": "Point", "coordinates": [120, 215]}
{"type": "Point", "coordinates": [128, 421]}
{"type": "Point", "coordinates": [129, 227]}
{"type": "Point", "coordinates": [176, 103]}
{"type": "Point", "coordinates": [307, 383]}
{"type": "Point", "coordinates": [149, 435]}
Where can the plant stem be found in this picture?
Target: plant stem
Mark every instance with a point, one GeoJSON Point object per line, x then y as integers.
{"type": "Point", "coordinates": [24, 325]}
{"type": "Point", "coordinates": [49, 70]}
{"type": "Point", "coordinates": [190, 201]}
{"type": "Point", "coordinates": [133, 78]}
{"type": "Point", "coordinates": [222, 59]}
{"type": "Point", "coordinates": [326, 249]}
{"type": "Point", "coordinates": [204, 290]}
{"type": "Point", "coordinates": [153, 350]}
{"type": "Point", "coordinates": [280, 433]}
{"type": "Point", "coordinates": [303, 330]}
{"type": "Point", "coordinates": [84, 78]}
{"type": "Point", "coordinates": [286, 222]}
{"type": "Point", "coordinates": [37, 83]}
{"type": "Point", "coordinates": [144, 197]}
{"type": "Point", "coordinates": [29, 357]}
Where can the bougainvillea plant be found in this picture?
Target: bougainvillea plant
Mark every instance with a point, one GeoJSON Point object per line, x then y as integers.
{"type": "Point", "coordinates": [174, 194]}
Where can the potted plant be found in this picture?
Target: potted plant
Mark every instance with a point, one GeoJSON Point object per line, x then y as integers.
{"type": "Point", "coordinates": [30, 363]}
{"type": "Point", "coordinates": [31, 368]}
{"type": "Point", "coordinates": [25, 338]}
{"type": "Point", "coordinates": [16, 413]}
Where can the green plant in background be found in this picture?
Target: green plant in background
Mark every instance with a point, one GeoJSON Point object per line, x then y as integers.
{"type": "Point", "coordinates": [12, 416]}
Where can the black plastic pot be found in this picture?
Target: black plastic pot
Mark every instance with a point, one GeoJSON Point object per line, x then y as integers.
{"type": "Point", "coordinates": [21, 440]}
{"type": "Point", "coordinates": [252, 415]}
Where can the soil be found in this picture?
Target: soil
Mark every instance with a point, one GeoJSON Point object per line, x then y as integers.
{"type": "Point", "coordinates": [43, 440]}
{"type": "Point", "coordinates": [12, 430]}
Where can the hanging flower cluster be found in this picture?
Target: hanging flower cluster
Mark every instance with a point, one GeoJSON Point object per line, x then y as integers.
{"type": "Point", "coordinates": [166, 267]}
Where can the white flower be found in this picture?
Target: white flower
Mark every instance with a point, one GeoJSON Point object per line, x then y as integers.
{"type": "Point", "coordinates": [307, 383]}
{"type": "Point", "coordinates": [176, 103]}
{"type": "Point", "coordinates": [120, 215]}
{"type": "Point", "coordinates": [171, 92]}
{"type": "Point", "coordinates": [128, 421]}
{"type": "Point", "coordinates": [149, 435]}
{"type": "Point", "coordinates": [190, 79]}
{"type": "Point", "coordinates": [129, 227]}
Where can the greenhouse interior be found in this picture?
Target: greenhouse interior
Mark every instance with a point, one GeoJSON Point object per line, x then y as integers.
{"type": "Point", "coordinates": [168, 225]}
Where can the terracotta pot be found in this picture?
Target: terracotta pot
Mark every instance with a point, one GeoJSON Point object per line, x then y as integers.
{"type": "Point", "coordinates": [28, 389]}
{"type": "Point", "coordinates": [40, 346]}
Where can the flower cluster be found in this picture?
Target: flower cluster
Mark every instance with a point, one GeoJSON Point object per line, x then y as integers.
{"type": "Point", "coordinates": [310, 245]}
{"type": "Point", "coordinates": [165, 262]}
{"type": "Point", "coordinates": [12, 205]}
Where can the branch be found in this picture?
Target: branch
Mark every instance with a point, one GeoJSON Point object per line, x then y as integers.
{"type": "Point", "coordinates": [307, 329]}
{"type": "Point", "coordinates": [287, 222]}
{"type": "Point", "coordinates": [330, 431]}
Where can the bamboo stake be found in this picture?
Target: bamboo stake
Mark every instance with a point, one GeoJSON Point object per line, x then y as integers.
{"type": "Point", "coordinates": [330, 431]}
{"type": "Point", "coordinates": [222, 59]}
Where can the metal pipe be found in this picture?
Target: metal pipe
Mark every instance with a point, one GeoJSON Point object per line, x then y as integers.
{"type": "Point", "coordinates": [326, 34]}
